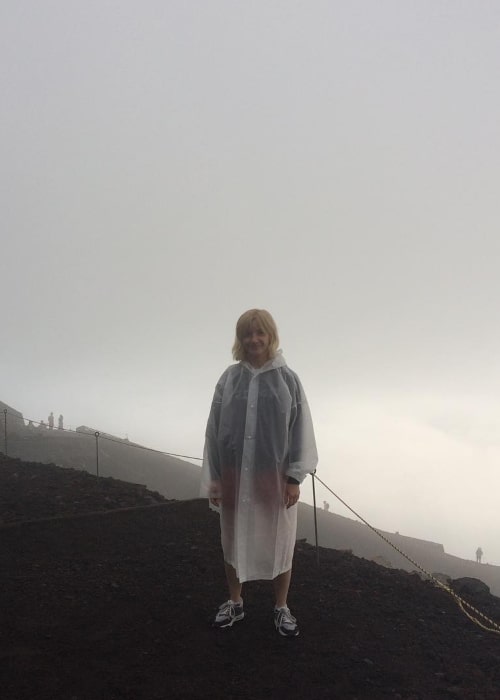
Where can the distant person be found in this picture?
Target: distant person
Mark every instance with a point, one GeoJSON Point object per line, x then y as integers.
{"type": "Point", "coordinates": [42, 424]}
{"type": "Point", "coordinates": [259, 447]}
{"type": "Point", "coordinates": [60, 425]}
{"type": "Point", "coordinates": [30, 424]}
{"type": "Point", "coordinates": [326, 506]}
{"type": "Point", "coordinates": [51, 421]}
{"type": "Point", "coordinates": [479, 554]}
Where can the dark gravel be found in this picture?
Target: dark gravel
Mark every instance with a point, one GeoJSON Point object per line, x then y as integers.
{"type": "Point", "coordinates": [116, 605]}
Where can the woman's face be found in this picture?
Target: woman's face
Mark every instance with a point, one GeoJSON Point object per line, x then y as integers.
{"type": "Point", "coordinates": [256, 345]}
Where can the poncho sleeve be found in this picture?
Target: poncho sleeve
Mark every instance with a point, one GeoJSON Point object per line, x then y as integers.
{"type": "Point", "coordinates": [210, 472]}
{"type": "Point", "coordinates": [302, 452]}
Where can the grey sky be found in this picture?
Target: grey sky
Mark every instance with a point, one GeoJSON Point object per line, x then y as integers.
{"type": "Point", "coordinates": [167, 165]}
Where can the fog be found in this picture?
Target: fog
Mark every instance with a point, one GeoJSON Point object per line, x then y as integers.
{"type": "Point", "coordinates": [168, 165]}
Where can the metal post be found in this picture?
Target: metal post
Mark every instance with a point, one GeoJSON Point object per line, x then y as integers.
{"type": "Point", "coordinates": [315, 521]}
{"type": "Point", "coordinates": [97, 451]}
{"type": "Point", "coordinates": [5, 428]}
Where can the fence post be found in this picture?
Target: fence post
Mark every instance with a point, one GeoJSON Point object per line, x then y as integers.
{"type": "Point", "coordinates": [5, 428]}
{"type": "Point", "coordinates": [97, 451]}
{"type": "Point", "coordinates": [315, 520]}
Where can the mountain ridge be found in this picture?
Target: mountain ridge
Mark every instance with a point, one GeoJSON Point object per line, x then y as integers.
{"type": "Point", "coordinates": [176, 478]}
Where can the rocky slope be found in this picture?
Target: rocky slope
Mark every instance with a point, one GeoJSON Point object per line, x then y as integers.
{"type": "Point", "coordinates": [179, 479]}
{"type": "Point", "coordinates": [116, 604]}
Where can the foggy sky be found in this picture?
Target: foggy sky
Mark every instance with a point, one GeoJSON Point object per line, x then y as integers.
{"type": "Point", "coordinates": [167, 165]}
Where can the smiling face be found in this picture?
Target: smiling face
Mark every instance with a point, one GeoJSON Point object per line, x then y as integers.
{"type": "Point", "coordinates": [256, 343]}
{"type": "Point", "coordinates": [256, 338]}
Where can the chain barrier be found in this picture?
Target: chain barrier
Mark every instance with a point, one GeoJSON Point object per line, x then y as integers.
{"type": "Point", "coordinates": [462, 604]}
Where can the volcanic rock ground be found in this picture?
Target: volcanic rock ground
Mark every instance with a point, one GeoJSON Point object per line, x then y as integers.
{"type": "Point", "coordinates": [108, 591]}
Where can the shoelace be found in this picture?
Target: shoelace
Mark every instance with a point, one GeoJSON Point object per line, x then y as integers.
{"type": "Point", "coordinates": [227, 609]}
{"type": "Point", "coordinates": [285, 617]}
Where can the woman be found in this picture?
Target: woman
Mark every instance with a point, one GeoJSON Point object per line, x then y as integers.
{"type": "Point", "coordinates": [259, 448]}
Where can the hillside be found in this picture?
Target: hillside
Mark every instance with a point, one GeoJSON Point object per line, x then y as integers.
{"type": "Point", "coordinates": [116, 606]}
{"type": "Point", "coordinates": [113, 456]}
{"type": "Point", "coordinates": [339, 532]}
{"type": "Point", "coordinates": [179, 479]}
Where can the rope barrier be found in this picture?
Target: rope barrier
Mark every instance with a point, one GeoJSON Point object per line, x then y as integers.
{"type": "Point", "coordinates": [462, 604]}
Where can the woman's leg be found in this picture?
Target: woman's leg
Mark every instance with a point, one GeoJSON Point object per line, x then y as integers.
{"type": "Point", "coordinates": [233, 583]}
{"type": "Point", "coordinates": [281, 586]}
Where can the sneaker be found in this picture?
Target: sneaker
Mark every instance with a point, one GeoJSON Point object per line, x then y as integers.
{"type": "Point", "coordinates": [228, 614]}
{"type": "Point", "coordinates": [285, 622]}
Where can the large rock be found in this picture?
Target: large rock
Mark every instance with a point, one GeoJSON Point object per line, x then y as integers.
{"type": "Point", "coordinates": [470, 586]}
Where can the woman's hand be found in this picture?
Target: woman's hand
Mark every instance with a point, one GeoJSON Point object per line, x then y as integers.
{"type": "Point", "coordinates": [215, 493]}
{"type": "Point", "coordinates": [292, 494]}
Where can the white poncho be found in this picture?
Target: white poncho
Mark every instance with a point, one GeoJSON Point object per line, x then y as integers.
{"type": "Point", "coordinates": [259, 432]}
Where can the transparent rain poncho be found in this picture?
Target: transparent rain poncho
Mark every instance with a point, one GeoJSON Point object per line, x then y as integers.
{"type": "Point", "coordinates": [259, 432]}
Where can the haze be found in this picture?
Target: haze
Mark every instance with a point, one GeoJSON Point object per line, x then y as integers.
{"type": "Point", "coordinates": [167, 165]}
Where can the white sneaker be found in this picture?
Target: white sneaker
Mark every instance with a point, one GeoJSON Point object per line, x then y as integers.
{"type": "Point", "coordinates": [285, 622]}
{"type": "Point", "coordinates": [228, 614]}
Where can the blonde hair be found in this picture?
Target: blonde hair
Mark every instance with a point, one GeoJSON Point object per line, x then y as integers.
{"type": "Point", "coordinates": [265, 321]}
